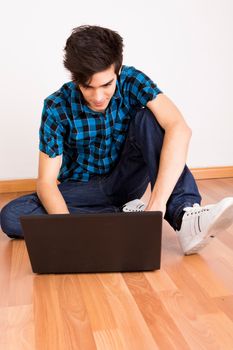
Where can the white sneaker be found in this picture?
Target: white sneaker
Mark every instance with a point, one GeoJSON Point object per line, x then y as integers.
{"type": "Point", "coordinates": [134, 205]}
{"type": "Point", "coordinates": [200, 224]}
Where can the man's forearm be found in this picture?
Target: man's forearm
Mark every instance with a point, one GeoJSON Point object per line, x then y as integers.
{"type": "Point", "coordinates": [51, 198]}
{"type": "Point", "coordinates": [172, 161]}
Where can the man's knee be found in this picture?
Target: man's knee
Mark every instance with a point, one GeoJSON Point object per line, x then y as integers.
{"type": "Point", "coordinates": [145, 118]}
{"type": "Point", "coordinates": [9, 221]}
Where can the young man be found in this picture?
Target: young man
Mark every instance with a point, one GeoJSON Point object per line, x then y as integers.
{"type": "Point", "coordinates": [105, 135]}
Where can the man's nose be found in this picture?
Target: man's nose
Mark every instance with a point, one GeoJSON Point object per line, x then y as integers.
{"type": "Point", "coordinates": [99, 96]}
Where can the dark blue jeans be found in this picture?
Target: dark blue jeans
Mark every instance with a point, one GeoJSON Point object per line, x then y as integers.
{"type": "Point", "coordinates": [137, 166]}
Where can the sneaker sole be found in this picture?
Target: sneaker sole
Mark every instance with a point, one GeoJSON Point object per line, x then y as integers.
{"type": "Point", "coordinates": [221, 223]}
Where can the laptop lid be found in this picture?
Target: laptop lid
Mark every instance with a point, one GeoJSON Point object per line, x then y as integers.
{"type": "Point", "coordinates": [106, 242]}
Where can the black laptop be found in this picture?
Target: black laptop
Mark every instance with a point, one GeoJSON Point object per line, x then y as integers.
{"type": "Point", "coordinates": [83, 243]}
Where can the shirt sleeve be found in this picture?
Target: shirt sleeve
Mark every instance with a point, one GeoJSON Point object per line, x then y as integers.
{"type": "Point", "coordinates": [50, 133]}
{"type": "Point", "coordinates": [141, 88]}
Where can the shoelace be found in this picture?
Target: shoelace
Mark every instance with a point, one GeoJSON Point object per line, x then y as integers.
{"type": "Point", "coordinates": [194, 209]}
{"type": "Point", "coordinates": [137, 208]}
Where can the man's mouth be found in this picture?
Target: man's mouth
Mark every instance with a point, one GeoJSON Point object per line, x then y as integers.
{"type": "Point", "coordinates": [99, 104]}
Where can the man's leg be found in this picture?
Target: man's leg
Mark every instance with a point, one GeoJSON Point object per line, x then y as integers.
{"type": "Point", "coordinates": [10, 213]}
{"type": "Point", "coordinates": [80, 198]}
{"type": "Point", "coordinates": [139, 164]}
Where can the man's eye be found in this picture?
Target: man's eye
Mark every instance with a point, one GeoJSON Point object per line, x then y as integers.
{"type": "Point", "coordinates": [90, 87]}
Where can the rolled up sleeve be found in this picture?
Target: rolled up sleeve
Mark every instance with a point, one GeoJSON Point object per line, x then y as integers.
{"type": "Point", "coordinates": [50, 133]}
{"type": "Point", "coordinates": [141, 88]}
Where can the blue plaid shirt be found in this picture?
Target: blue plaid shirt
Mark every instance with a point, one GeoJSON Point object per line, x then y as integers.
{"type": "Point", "coordinates": [90, 142]}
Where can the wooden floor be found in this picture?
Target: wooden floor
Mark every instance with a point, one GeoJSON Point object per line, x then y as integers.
{"type": "Point", "coordinates": [188, 304]}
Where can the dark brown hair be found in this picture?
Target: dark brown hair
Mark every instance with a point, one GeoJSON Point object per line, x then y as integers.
{"type": "Point", "coordinates": [92, 49]}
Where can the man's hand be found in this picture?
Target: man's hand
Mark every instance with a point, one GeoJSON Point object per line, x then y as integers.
{"type": "Point", "coordinates": [156, 207]}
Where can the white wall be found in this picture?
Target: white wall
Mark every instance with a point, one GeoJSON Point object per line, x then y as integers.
{"type": "Point", "coordinates": [185, 46]}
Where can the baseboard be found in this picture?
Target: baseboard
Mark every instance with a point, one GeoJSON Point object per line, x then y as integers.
{"type": "Point", "coordinates": [212, 172]}
{"type": "Point", "coordinates": [25, 185]}
{"type": "Point", "coordinates": [29, 185]}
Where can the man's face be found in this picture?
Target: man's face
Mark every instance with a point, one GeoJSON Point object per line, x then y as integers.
{"type": "Point", "coordinates": [100, 89]}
